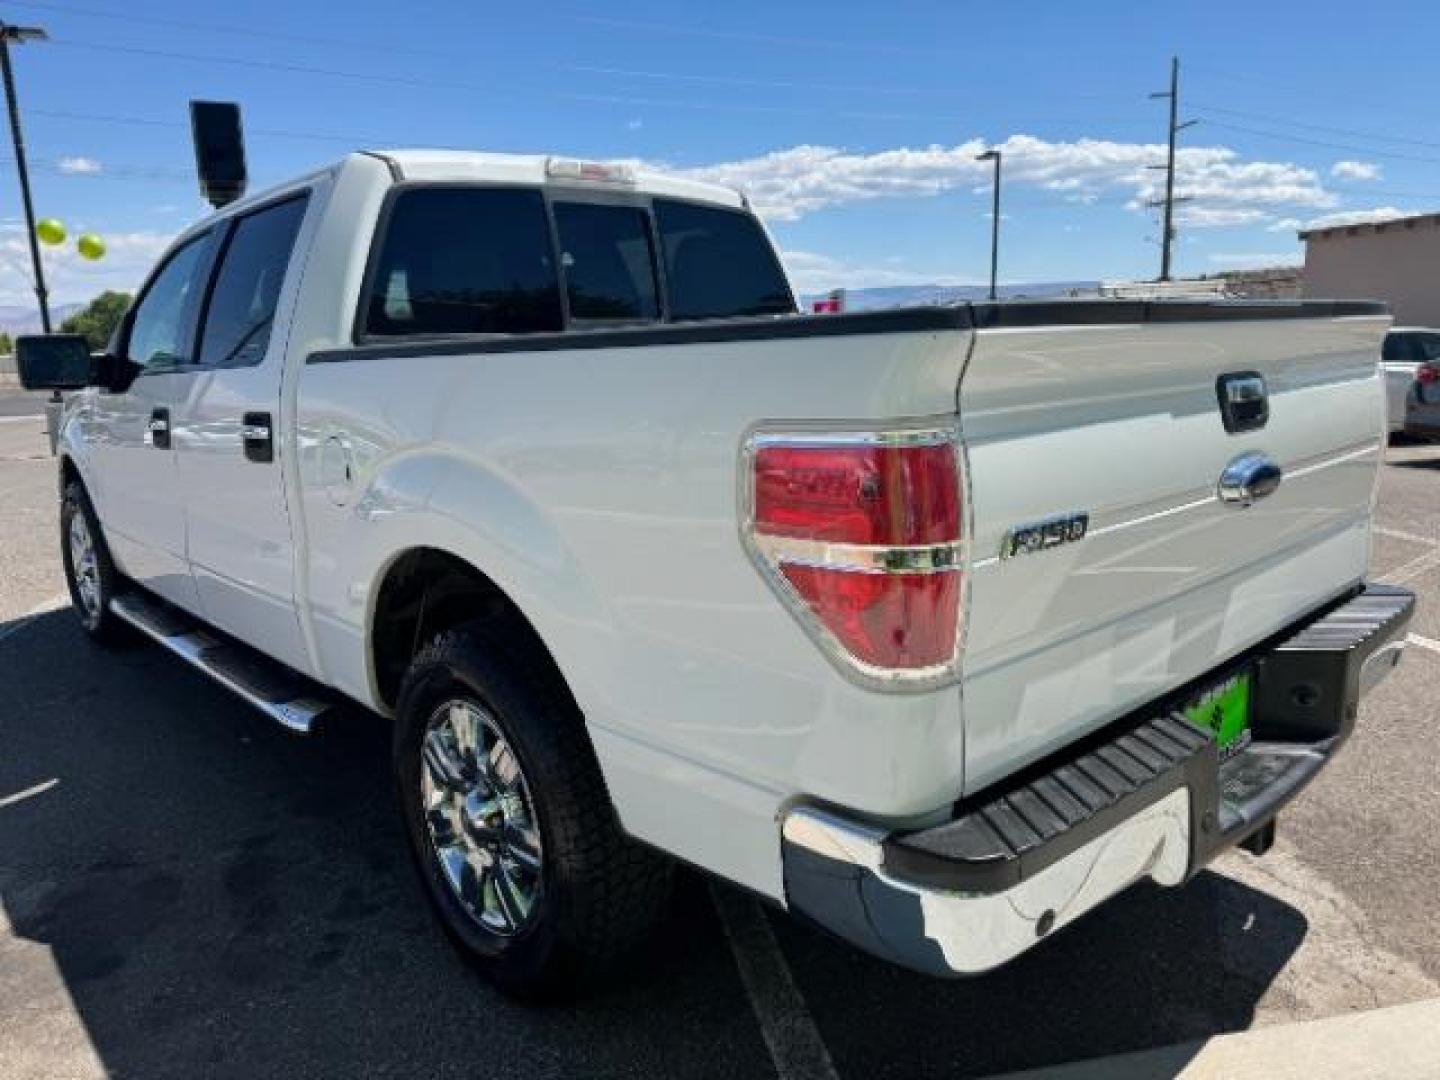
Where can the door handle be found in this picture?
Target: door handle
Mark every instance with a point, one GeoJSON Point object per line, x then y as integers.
{"type": "Point", "coordinates": [160, 428]}
{"type": "Point", "coordinates": [258, 435]}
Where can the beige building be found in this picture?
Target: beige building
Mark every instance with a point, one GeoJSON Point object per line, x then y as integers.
{"type": "Point", "coordinates": [1397, 261]}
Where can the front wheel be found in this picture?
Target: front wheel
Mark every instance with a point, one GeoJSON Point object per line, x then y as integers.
{"type": "Point", "coordinates": [509, 820]}
{"type": "Point", "coordinates": [89, 571]}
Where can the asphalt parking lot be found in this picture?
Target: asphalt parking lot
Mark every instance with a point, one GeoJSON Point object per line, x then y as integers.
{"type": "Point", "coordinates": [186, 890]}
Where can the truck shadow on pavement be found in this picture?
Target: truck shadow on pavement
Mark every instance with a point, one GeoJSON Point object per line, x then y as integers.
{"type": "Point", "coordinates": [217, 897]}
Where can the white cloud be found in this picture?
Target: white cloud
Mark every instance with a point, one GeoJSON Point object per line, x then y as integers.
{"type": "Point", "coordinates": [129, 257]}
{"type": "Point", "coordinates": [634, 124]}
{"type": "Point", "coordinates": [79, 166]}
{"type": "Point", "coordinates": [1357, 217]}
{"type": "Point", "coordinates": [1258, 260]}
{"type": "Point", "coordinates": [790, 183]}
{"type": "Point", "coordinates": [1355, 170]}
{"type": "Point", "coordinates": [811, 272]}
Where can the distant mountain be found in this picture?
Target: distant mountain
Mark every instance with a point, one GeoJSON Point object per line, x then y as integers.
{"type": "Point", "coordinates": [892, 296]}
{"type": "Point", "coordinates": [25, 318]}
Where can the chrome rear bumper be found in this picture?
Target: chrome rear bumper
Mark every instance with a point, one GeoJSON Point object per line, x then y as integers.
{"type": "Point", "coordinates": [1150, 798]}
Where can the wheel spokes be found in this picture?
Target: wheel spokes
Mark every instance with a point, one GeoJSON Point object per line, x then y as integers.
{"type": "Point", "coordinates": [444, 766]}
{"type": "Point", "coordinates": [479, 816]}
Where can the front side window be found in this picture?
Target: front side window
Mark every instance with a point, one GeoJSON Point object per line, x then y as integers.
{"type": "Point", "coordinates": [465, 261]}
{"type": "Point", "coordinates": [609, 261]}
{"type": "Point", "coordinates": [718, 264]}
{"type": "Point", "coordinates": [160, 327]}
{"type": "Point", "coordinates": [247, 288]}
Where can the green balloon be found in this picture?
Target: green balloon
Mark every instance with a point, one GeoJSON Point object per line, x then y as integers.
{"type": "Point", "coordinates": [90, 246]}
{"type": "Point", "coordinates": [50, 231]}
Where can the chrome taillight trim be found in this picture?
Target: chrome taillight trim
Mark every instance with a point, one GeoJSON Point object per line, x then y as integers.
{"type": "Point", "coordinates": [770, 553]}
{"type": "Point", "coordinates": [863, 558]}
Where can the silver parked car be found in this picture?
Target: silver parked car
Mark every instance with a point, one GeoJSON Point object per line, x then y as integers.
{"type": "Point", "coordinates": [1411, 361]}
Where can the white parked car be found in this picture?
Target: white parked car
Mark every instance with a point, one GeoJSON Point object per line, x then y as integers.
{"type": "Point", "coordinates": [1411, 363]}
{"type": "Point", "coordinates": [937, 627]}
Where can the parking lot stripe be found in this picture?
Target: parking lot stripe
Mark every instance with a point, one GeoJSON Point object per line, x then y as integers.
{"type": "Point", "coordinates": [1401, 534]}
{"type": "Point", "coordinates": [28, 793]}
{"type": "Point", "coordinates": [53, 604]}
{"type": "Point", "coordinates": [785, 1022]}
{"type": "Point", "coordinates": [1424, 642]}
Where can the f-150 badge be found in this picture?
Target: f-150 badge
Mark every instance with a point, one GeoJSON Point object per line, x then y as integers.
{"type": "Point", "coordinates": [1039, 535]}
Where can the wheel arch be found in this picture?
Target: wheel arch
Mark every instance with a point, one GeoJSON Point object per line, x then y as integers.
{"type": "Point", "coordinates": [423, 591]}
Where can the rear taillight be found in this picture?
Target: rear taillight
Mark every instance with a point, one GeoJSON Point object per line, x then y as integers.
{"type": "Point", "coordinates": [860, 533]}
{"type": "Point", "coordinates": [1425, 374]}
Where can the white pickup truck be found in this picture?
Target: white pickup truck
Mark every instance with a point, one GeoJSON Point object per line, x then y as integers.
{"type": "Point", "coordinates": [936, 627]}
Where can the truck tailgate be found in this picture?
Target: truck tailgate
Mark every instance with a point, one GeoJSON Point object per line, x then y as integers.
{"type": "Point", "coordinates": [1122, 422]}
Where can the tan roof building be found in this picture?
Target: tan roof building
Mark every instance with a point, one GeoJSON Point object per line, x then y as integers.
{"type": "Point", "coordinates": [1397, 261]}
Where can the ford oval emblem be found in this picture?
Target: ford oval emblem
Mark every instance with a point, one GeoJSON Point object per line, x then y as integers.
{"type": "Point", "coordinates": [1249, 477]}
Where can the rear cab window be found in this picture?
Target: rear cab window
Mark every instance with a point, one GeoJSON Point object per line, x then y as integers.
{"type": "Point", "coordinates": [718, 263]}
{"type": "Point", "coordinates": [467, 259]}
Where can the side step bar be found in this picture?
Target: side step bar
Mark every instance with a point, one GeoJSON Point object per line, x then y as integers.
{"type": "Point", "coordinates": [285, 696]}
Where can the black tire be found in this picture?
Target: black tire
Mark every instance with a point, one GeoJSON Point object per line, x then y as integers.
{"type": "Point", "coordinates": [599, 892]}
{"type": "Point", "coordinates": [95, 616]}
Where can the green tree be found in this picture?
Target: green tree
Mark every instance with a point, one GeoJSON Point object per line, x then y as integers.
{"type": "Point", "coordinates": [6, 345]}
{"type": "Point", "coordinates": [98, 319]}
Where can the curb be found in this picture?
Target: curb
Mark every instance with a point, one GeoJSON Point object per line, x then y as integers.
{"type": "Point", "coordinates": [1397, 1043]}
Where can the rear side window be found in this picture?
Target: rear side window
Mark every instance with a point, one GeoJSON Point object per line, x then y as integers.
{"type": "Point", "coordinates": [465, 261]}
{"type": "Point", "coordinates": [247, 287]}
{"type": "Point", "coordinates": [718, 264]}
{"type": "Point", "coordinates": [1398, 348]}
{"type": "Point", "coordinates": [609, 262]}
{"type": "Point", "coordinates": [1427, 348]}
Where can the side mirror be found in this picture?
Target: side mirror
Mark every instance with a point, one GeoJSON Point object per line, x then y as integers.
{"type": "Point", "coordinates": [54, 362]}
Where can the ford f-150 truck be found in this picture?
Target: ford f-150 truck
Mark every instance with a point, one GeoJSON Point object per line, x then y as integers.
{"type": "Point", "coordinates": [936, 627]}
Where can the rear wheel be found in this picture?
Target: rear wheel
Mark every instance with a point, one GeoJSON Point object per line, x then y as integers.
{"type": "Point", "coordinates": [89, 570]}
{"type": "Point", "coordinates": [510, 822]}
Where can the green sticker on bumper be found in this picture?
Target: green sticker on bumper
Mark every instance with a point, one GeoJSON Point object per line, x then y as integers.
{"type": "Point", "coordinates": [1224, 710]}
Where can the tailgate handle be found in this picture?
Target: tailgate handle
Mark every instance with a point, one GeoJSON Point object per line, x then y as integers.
{"type": "Point", "coordinates": [1249, 477]}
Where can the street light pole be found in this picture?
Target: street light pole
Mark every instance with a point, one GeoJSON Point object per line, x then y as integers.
{"type": "Point", "coordinates": [995, 156]}
{"type": "Point", "coordinates": [19, 35]}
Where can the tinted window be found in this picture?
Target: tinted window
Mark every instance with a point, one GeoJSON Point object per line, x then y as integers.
{"type": "Point", "coordinates": [609, 262]}
{"type": "Point", "coordinates": [247, 288]}
{"type": "Point", "coordinates": [1398, 348]}
{"type": "Point", "coordinates": [1427, 348]}
{"type": "Point", "coordinates": [160, 327]}
{"type": "Point", "coordinates": [465, 261]}
{"type": "Point", "coordinates": [718, 264]}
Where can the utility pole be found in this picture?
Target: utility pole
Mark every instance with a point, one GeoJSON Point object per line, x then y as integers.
{"type": "Point", "coordinates": [993, 155]}
{"type": "Point", "coordinates": [1168, 236]}
{"type": "Point", "coordinates": [20, 35]}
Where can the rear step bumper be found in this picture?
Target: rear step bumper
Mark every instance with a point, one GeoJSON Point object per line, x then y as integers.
{"type": "Point", "coordinates": [1149, 797]}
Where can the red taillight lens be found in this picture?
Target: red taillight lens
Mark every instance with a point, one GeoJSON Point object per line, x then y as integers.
{"type": "Point", "coordinates": [862, 534]}
{"type": "Point", "coordinates": [894, 495]}
{"type": "Point", "coordinates": [1425, 374]}
{"type": "Point", "coordinates": [894, 621]}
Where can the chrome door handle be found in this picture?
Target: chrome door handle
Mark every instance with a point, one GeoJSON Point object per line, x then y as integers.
{"type": "Point", "coordinates": [159, 427]}
{"type": "Point", "coordinates": [258, 437]}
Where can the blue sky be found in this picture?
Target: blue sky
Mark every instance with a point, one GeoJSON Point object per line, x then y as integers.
{"type": "Point", "coordinates": [854, 126]}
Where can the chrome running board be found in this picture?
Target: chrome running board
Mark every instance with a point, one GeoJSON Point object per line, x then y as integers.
{"type": "Point", "coordinates": [287, 697]}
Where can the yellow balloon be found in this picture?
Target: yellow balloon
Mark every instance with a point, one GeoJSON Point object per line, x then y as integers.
{"type": "Point", "coordinates": [90, 246]}
{"type": "Point", "coordinates": [50, 231]}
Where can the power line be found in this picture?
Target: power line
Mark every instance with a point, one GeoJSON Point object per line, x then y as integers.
{"type": "Point", "coordinates": [1243, 114]}
{"type": "Point", "coordinates": [1327, 144]}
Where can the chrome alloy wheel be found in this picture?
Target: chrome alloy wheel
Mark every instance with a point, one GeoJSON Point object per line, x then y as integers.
{"type": "Point", "coordinates": [480, 817]}
{"type": "Point", "coordinates": [85, 565]}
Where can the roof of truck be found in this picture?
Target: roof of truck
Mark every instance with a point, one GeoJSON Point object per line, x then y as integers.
{"type": "Point", "coordinates": [466, 166]}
